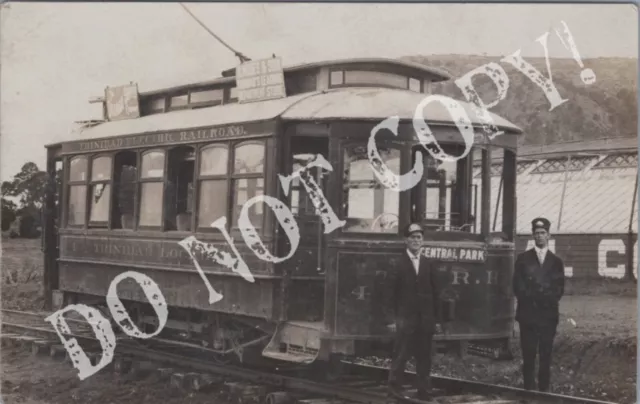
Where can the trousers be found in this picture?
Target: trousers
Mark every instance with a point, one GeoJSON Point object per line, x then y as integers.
{"type": "Point", "coordinates": [412, 342]}
{"type": "Point", "coordinates": [537, 340]}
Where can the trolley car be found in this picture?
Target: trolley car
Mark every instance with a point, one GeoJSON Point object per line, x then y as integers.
{"type": "Point", "coordinates": [134, 188]}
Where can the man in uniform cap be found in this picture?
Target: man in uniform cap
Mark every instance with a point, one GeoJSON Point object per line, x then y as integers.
{"type": "Point", "coordinates": [538, 284]}
{"type": "Point", "coordinates": [415, 300]}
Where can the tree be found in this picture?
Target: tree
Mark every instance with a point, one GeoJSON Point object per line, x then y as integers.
{"type": "Point", "coordinates": [8, 213]}
{"type": "Point", "coordinates": [28, 186]}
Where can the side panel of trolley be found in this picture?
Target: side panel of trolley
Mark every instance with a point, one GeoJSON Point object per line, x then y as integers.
{"type": "Point", "coordinates": [475, 299]}
{"type": "Point", "coordinates": [88, 265]}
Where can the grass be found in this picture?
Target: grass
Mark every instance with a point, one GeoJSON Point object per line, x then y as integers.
{"type": "Point", "coordinates": [22, 272]}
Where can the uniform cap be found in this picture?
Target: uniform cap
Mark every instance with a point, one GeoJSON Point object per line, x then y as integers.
{"type": "Point", "coordinates": [540, 223]}
{"type": "Point", "coordinates": [413, 228]}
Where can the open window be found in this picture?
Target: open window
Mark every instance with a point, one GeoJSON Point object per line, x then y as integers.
{"type": "Point", "coordinates": [77, 199]}
{"type": "Point", "coordinates": [442, 200]}
{"type": "Point", "coordinates": [500, 212]}
{"type": "Point", "coordinates": [368, 206]}
{"type": "Point", "coordinates": [179, 190]}
{"type": "Point", "coordinates": [304, 150]}
{"type": "Point", "coordinates": [151, 188]}
{"type": "Point", "coordinates": [125, 177]}
{"type": "Point", "coordinates": [100, 191]}
{"type": "Point", "coordinates": [309, 260]}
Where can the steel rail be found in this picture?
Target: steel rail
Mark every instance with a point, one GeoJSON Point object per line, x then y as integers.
{"type": "Point", "coordinates": [272, 379]}
{"type": "Point", "coordinates": [452, 384]}
{"type": "Point", "coordinates": [282, 381]}
{"type": "Point", "coordinates": [38, 316]}
{"type": "Point", "coordinates": [50, 332]}
{"type": "Point", "coordinates": [279, 379]}
{"type": "Point", "coordinates": [25, 313]}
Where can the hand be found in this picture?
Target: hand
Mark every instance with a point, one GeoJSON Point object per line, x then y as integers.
{"type": "Point", "coordinates": [438, 328]}
{"type": "Point", "coordinates": [392, 327]}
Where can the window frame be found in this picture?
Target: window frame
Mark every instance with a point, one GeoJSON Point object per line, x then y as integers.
{"type": "Point", "coordinates": [343, 75]}
{"type": "Point", "coordinates": [141, 181]}
{"type": "Point", "coordinates": [200, 178]}
{"type": "Point", "coordinates": [169, 150]}
{"type": "Point", "coordinates": [91, 183]}
{"type": "Point", "coordinates": [230, 177]}
{"type": "Point", "coordinates": [117, 188]}
{"type": "Point", "coordinates": [71, 183]}
{"type": "Point", "coordinates": [169, 104]}
{"type": "Point", "coordinates": [466, 184]}
{"type": "Point", "coordinates": [506, 196]}
{"type": "Point", "coordinates": [146, 101]}
{"type": "Point", "coordinates": [297, 188]}
{"type": "Point", "coordinates": [234, 177]}
{"type": "Point", "coordinates": [343, 211]}
{"type": "Point", "coordinates": [204, 104]}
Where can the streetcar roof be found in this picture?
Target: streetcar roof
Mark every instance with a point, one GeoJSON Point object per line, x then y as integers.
{"type": "Point", "coordinates": [373, 103]}
{"type": "Point", "coordinates": [432, 73]}
{"type": "Point", "coordinates": [353, 103]}
{"type": "Point", "coordinates": [189, 118]}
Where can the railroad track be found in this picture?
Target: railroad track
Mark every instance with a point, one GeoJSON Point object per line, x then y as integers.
{"type": "Point", "coordinates": [357, 383]}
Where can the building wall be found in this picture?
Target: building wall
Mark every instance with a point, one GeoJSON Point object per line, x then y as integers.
{"type": "Point", "coordinates": [590, 201]}
{"type": "Point", "coordinates": [589, 255]}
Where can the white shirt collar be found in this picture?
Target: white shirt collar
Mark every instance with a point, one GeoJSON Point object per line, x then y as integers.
{"type": "Point", "coordinates": [541, 250]}
{"type": "Point", "coordinates": [412, 255]}
{"type": "Point", "coordinates": [541, 253]}
{"type": "Point", "coordinates": [415, 260]}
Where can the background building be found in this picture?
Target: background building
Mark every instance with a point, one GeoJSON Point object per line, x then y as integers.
{"type": "Point", "coordinates": [588, 190]}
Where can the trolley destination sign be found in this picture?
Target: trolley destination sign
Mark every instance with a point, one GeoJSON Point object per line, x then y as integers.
{"type": "Point", "coordinates": [455, 254]}
{"type": "Point", "coordinates": [173, 137]}
{"type": "Point", "coordinates": [260, 80]}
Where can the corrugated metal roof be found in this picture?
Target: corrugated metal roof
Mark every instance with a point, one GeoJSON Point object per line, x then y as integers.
{"type": "Point", "coordinates": [538, 195]}
{"type": "Point", "coordinates": [596, 201]}
{"type": "Point", "coordinates": [599, 202]}
{"type": "Point", "coordinates": [601, 146]}
{"type": "Point", "coordinates": [495, 185]}
{"type": "Point", "coordinates": [378, 104]}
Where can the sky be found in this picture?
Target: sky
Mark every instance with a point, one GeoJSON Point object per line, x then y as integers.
{"type": "Point", "coordinates": [56, 56]}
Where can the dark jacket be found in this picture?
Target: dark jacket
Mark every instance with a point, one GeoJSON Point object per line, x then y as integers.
{"type": "Point", "coordinates": [538, 288]}
{"type": "Point", "coordinates": [415, 296]}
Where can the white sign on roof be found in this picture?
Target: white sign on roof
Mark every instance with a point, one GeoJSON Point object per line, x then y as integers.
{"type": "Point", "coordinates": [122, 102]}
{"type": "Point", "coordinates": [260, 80]}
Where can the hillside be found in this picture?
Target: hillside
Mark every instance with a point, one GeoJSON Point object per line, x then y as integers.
{"type": "Point", "coordinates": [607, 108]}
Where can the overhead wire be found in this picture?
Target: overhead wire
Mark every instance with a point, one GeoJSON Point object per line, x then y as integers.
{"type": "Point", "coordinates": [238, 54]}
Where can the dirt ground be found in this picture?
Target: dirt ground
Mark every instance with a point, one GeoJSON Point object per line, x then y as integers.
{"type": "Point", "coordinates": [594, 358]}
{"type": "Point", "coordinates": [42, 380]}
{"type": "Point", "coordinates": [594, 352]}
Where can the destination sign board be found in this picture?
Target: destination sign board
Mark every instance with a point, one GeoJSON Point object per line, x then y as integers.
{"type": "Point", "coordinates": [455, 254]}
{"type": "Point", "coordinates": [122, 102]}
{"type": "Point", "coordinates": [173, 137]}
{"type": "Point", "coordinates": [260, 80]}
